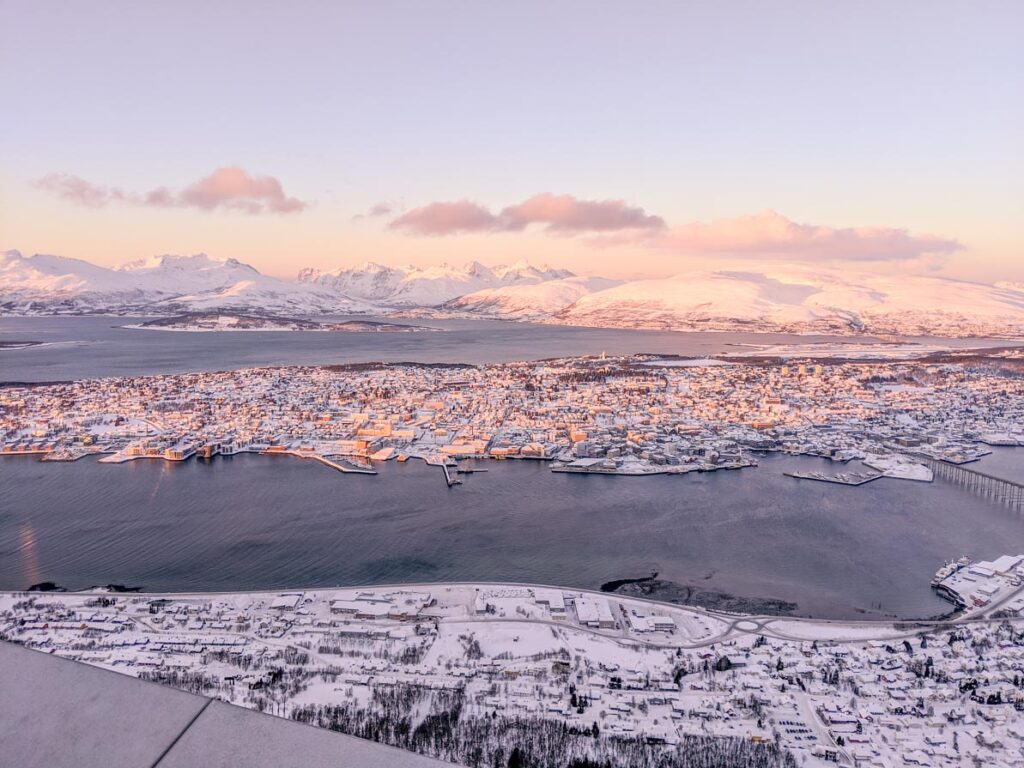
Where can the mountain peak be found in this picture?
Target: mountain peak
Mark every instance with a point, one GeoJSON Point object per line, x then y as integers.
{"type": "Point", "coordinates": [196, 261]}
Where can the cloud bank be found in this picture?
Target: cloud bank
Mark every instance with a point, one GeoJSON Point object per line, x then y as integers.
{"type": "Point", "coordinates": [613, 222]}
{"type": "Point", "coordinates": [558, 214]}
{"type": "Point", "coordinates": [770, 235]}
{"type": "Point", "coordinates": [229, 189]}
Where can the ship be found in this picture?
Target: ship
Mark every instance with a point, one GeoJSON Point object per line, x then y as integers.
{"type": "Point", "coordinates": [949, 569]}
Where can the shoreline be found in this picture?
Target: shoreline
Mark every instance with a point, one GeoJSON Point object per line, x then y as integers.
{"type": "Point", "coordinates": [952, 618]}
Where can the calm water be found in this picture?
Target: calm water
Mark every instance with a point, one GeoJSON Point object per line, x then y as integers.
{"type": "Point", "coordinates": [253, 522]}
{"type": "Point", "coordinates": [89, 347]}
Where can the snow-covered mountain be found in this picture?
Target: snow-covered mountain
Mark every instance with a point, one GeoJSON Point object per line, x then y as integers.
{"type": "Point", "coordinates": [56, 283]}
{"type": "Point", "coordinates": [533, 301]}
{"type": "Point", "coordinates": [803, 300]}
{"type": "Point", "coordinates": [425, 287]}
{"type": "Point", "coordinates": [791, 299]}
{"type": "Point", "coordinates": [183, 274]}
{"type": "Point", "coordinates": [43, 284]}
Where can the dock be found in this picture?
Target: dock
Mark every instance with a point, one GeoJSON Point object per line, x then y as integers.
{"type": "Point", "coordinates": [348, 470]}
{"type": "Point", "coordinates": [847, 478]}
{"type": "Point", "coordinates": [448, 477]}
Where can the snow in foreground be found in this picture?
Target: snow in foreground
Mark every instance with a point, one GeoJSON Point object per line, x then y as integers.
{"type": "Point", "coordinates": [507, 674]}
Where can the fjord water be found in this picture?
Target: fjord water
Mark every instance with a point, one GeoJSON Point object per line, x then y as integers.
{"type": "Point", "coordinates": [253, 522]}
{"type": "Point", "coordinates": [261, 522]}
{"type": "Point", "coordinates": [91, 347]}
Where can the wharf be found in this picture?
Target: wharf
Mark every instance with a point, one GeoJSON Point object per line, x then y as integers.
{"type": "Point", "coordinates": [850, 478]}
{"type": "Point", "coordinates": [333, 465]}
{"type": "Point", "coordinates": [604, 471]}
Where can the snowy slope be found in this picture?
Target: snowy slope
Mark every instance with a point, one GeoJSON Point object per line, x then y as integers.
{"type": "Point", "coordinates": [265, 294]}
{"type": "Point", "coordinates": [532, 301]}
{"type": "Point", "coordinates": [801, 300]}
{"type": "Point", "coordinates": [183, 274]}
{"type": "Point", "coordinates": [424, 287]}
{"type": "Point", "coordinates": [54, 284]}
{"type": "Point", "coordinates": [794, 298]}
{"type": "Point", "coordinates": [63, 284]}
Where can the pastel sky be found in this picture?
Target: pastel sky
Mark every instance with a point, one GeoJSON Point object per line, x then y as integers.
{"type": "Point", "coordinates": [624, 139]}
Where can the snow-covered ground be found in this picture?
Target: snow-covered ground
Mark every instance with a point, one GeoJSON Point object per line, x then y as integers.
{"type": "Point", "coordinates": [410, 286]}
{"type": "Point", "coordinates": [872, 690]}
{"type": "Point", "coordinates": [535, 301]}
{"type": "Point", "coordinates": [214, 322]}
{"type": "Point", "coordinates": [900, 467]}
{"type": "Point", "coordinates": [799, 299]}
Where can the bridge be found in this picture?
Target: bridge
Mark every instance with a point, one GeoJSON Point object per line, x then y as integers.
{"type": "Point", "coordinates": [989, 486]}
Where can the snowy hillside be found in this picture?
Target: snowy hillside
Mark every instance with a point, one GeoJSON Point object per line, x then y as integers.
{"type": "Point", "coordinates": [54, 284]}
{"type": "Point", "coordinates": [424, 287]}
{"type": "Point", "coordinates": [801, 300]}
{"type": "Point", "coordinates": [784, 298]}
{"type": "Point", "coordinates": [535, 301]}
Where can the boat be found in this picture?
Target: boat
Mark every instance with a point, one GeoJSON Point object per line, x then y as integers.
{"type": "Point", "coordinates": [949, 569]}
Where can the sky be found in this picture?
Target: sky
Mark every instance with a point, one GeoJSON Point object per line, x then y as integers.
{"type": "Point", "coordinates": [613, 138]}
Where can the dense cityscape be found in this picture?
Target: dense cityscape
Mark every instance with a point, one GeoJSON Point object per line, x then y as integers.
{"type": "Point", "coordinates": [635, 415]}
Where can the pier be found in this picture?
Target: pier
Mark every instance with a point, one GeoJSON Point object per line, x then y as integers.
{"type": "Point", "coordinates": [448, 476]}
{"type": "Point", "coordinates": [989, 486]}
{"type": "Point", "coordinates": [348, 470]}
{"type": "Point", "coordinates": [849, 478]}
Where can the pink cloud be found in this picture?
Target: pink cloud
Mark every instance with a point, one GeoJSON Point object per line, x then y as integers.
{"type": "Point", "coordinates": [559, 214]}
{"type": "Point", "coordinates": [381, 209]}
{"type": "Point", "coordinates": [564, 213]}
{"type": "Point", "coordinates": [446, 219]}
{"type": "Point", "coordinates": [233, 188]}
{"type": "Point", "coordinates": [78, 190]}
{"type": "Point", "coordinates": [228, 188]}
{"type": "Point", "coordinates": [769, 234]}
{"type": "Point", "coordinates": [378, 210]}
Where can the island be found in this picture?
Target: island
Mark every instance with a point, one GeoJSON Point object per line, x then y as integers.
{"type": "Point", "coordinates": [225, 321]}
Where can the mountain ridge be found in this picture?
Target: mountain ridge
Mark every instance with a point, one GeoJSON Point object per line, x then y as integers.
{"type": "Point", "coordinates": [778, 298]}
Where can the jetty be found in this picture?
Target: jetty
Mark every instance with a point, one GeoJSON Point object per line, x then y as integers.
{"type": "Point", "coordinates": [448, 476]}
{"type": "Point", "coordinates": [442, 462]}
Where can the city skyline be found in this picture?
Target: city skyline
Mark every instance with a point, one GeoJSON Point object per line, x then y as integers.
{"type": "Point", "coordinates": [608, 141]}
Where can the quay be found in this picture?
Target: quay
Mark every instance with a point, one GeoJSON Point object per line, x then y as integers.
{"type": "Point", "coordinates": [333, 465]}
{"type": "Point", "coordinates": [448, 476]}
{"type": "Point", "coordinates": [851, 478]}
{"type": "Point", "coordinates": [437, 461]}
